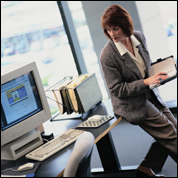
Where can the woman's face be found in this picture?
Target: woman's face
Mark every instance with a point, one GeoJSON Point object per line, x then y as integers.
{"type": "Point", "coordinates": [115, 33]}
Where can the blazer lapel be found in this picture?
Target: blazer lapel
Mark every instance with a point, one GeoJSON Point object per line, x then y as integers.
{"type": "Point", "coordinates": [145, 56]}
{"type": "Point", "coordinates": [129, 63]}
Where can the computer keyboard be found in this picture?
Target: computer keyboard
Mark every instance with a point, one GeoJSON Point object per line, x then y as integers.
{"type": "Point", "coordinates": [95, 124]}
{"type": "Point", "coordinates": [53, 146]}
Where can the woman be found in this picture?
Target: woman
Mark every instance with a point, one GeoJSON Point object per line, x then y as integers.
{"type": "Point", "coordinates": [125, 64]}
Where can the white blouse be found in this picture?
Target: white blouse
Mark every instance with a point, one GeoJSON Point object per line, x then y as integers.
{"type": "Point", "coordinates": [137, 58]}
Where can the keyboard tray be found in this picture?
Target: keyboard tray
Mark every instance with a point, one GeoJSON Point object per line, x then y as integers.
{"type": "Point", "coordinates": [95, 124]}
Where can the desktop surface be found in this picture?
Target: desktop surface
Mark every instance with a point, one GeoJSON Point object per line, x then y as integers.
{"type": "Point", "coordinates": [55, 164]}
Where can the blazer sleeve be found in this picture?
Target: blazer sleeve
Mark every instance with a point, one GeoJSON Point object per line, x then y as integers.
{"type": "Point", "coordinates": [120, 80]}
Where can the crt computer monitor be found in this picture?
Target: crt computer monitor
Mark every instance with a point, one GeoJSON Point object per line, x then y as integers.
{"type": "Point", "coordinates": [24, 108]}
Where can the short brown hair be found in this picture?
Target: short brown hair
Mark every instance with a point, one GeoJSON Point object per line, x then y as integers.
{"type": "Point", "coordinates": [116, 15]}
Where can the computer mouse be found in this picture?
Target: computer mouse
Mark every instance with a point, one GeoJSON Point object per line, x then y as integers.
{"type": "Point", "coordinates": [95, 118]}
{"type": "Point", "coordinates": [26, 167]}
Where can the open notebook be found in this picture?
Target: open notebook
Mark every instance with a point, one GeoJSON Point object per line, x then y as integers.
{"type": "Point", "coordinates": [167, 65]}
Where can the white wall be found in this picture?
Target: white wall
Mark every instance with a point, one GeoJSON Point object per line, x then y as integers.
{"type": "Point", "coordinates": [153, 28]}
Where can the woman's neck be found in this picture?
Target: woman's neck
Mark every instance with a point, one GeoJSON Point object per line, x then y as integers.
{"type": "Point", "coordinates": [126, 42]}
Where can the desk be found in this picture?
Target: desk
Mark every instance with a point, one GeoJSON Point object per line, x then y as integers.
{"type": "Point", "coordinates": [55, 165]}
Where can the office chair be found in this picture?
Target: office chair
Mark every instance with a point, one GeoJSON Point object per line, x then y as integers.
{"type": "Point", "coordinates": [78, 164]}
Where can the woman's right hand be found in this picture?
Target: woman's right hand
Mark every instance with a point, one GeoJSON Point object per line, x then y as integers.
{"type": "Point", "coordinates": [155, 78]}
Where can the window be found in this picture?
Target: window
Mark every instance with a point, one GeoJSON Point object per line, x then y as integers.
{"type": "Point", "coordinates": [168, 11]}
{"type": "Point", "coordinates": [84, 37]}
{"type": "Point", "coordinates": [34, 31]}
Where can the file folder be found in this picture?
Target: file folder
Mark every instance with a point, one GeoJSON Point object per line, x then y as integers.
{"type": "Point", "coordinates": [78, 94]}
{"type": "Point", "coordinates": [60, 96]}
{"type": "Point", "coordinates": [89, 92]}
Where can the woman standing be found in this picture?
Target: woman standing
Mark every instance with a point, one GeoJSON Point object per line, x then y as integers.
{"type": "Point", "coordinates": [125, 63]}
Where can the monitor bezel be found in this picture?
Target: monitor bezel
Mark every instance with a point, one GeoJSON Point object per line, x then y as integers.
{"type": "Point", "coordinates": [15, 70]}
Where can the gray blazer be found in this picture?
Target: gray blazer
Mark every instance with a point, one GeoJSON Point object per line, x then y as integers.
{"type": "Point", "coordinates": [125, 82]}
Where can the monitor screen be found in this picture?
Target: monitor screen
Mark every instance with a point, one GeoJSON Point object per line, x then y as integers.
{"type": "Point", "coordinates": [19, 100]}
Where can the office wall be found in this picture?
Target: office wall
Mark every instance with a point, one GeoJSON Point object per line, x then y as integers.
{"type": "Point", "coordinates": [153, 28]}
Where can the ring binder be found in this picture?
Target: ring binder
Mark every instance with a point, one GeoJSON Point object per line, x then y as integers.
{"type": "Point", "coordinates": [167, 65]}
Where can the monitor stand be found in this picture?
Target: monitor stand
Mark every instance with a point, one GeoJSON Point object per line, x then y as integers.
{"type": "Point", "coordinates": [21, 146]}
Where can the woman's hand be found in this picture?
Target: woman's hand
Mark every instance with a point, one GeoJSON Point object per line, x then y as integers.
{"type": "Point", "coordinates": [156, 78]}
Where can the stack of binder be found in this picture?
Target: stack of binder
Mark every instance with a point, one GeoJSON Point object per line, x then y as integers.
{"type": "Point", "coordinates": [77, 94]}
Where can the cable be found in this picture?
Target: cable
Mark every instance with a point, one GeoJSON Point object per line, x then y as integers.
{"type": "Point", "coordinates": [45, 140]}
{"type": "Point", "coordinates": [8, 170]}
